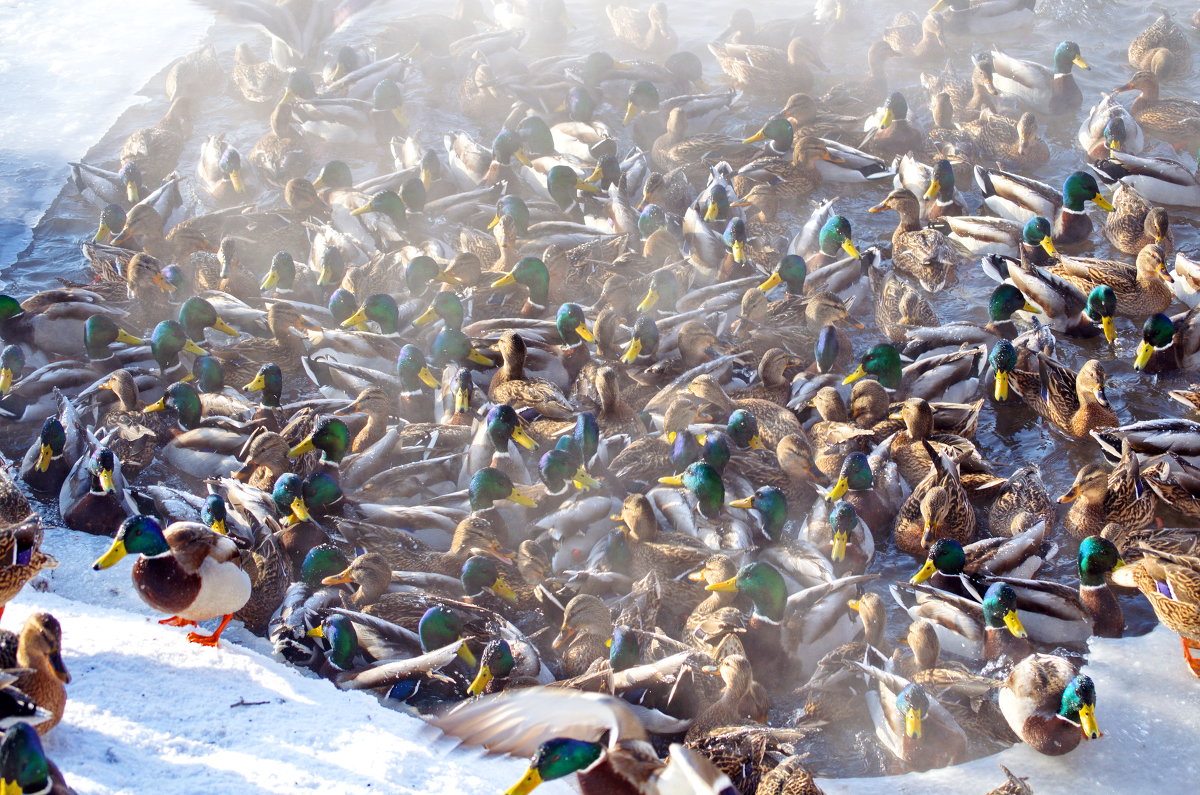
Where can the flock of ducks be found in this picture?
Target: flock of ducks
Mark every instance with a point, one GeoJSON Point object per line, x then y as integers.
{"type": "Point", "coordinates": [567, 438]}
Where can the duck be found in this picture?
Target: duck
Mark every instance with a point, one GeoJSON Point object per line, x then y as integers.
{"type": "Point", "coordinates": [186, 570]}
{"type": "Point", "coordinates": [1063, 304]}
{"type": "Point", "coordinates": [20, 547]}
{"type": "Point", "coordinates": [1022, 502]}
{"type": "Point", "coordinates": [1075, 403]}
{"type": "Point", "coordinates": [765, 70]}
{"type": "Point", "coordinates": [1013, 141]}
{"type": "Point", "coordinates": [986, 630]}
{"type": "Point", "coordinates": [21, 752]}
{"type": "Point", "coordinates": [774, 421]}
{"type": "Point", "coordinates": [1020, 199]}
{"type": "Point", "coordinates": [156, 149]}
{"type": "Point", "coordinates": [910, 723]}
{"type": "Point", "coordinates": [1135, 223]}
{"type": "Point", "coordinates": [937, 508]}
{"type": "Point", "coordinates": [1049, 704]}
{"type": "Point", "coordinates": [952, 377]}
{"type": "Point", "coordinates": [1161, 49]}
{"type": "Point", "coordinates": [1167, 578]}
{"type": "Point", "coordinates": [1173, 119]}
{"type": "Point", "coordinates": [1162, 180]}
{"type": "Point", "coordinates": [93, 498]}
{"type": "Point", "coordinates": [57, 447]}
{"type": "Point", "coordinates": [510, 384]}
{"type": "Point", "coordinates": [1098, 497]}
{"type": "Point", "coordinates": [220, 169]}
{"type": "Point", "coordinates": [1110, 126]}
{"type": "Point", "coordinates": [52, 321]}
{"type": "Point", "coordinates": [924, 254]}
{"type": "Point", "coordinates": [907, 446]}
{"type": "Point", "coordinates": [889, 132]}
{"type": "Point", "coordinates": [985, 17]}
{"type": "Point", "coordinates": [648, 31]}
{"type": "Point", "coordinates": [627, 762]}
{"type": "Point", "coordinates": [1053, 92]}
{"type": "Point", "coordinates": [1141, 290]}
{"type": "Point", "coordinates": [37, 653]}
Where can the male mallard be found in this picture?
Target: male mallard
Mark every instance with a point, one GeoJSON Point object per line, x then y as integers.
{"type": "Point", "coordinates": [52, 321]}
{"type": "Point", "coordinates": [1067, 308]}
{"type": "Point", "coordinates": [1163, 180]}
{"type": "Point", "coordinates": [924, 254]}
{"type": "Point", "coordinates": [93, 497]}
{"type": "Point", "coordinates": [37, 653]}
{"type": "Point", "coordinates": [1075, 403]}
{"type": "Point", "coordinates": [889, 132]}
{"type": "Point", "coordinates": [911, 724]}
{"type": "Point", "coordinates": [1169, 343]}
{"type": "Point", "coordinates": [980, 631]}
{"type": "Point", "coordinates": [985, 17]}
{"type": "Point", "coordinates": [1110, 126]}
{"type": "Point", "coordinates": [953, 377]}
{"type": "Point", "coordinates": [186, 570]}
{"type": "Point", "coordinates": [1020, 198]}
{"type": "Point", "coordinates": [560, 729]}
{"type": "Point", "coordinates": [1049, 704]}
{"type": "Point", "coordinates": [1054, 92]}
{"type": "Point", "coordinates": [937, 508]}
{"type": "Point", "coordinates": [774, 421]}
{"type": "Point", "coordinates": [1174, 120]}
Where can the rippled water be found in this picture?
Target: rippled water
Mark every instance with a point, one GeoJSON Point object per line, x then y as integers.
{"type": "Point", "coordinates": [1008, 434]}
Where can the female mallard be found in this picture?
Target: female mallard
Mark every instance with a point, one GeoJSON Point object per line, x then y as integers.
{"type": "Point", "coordinates": [937, 508]}
{"type": "Point", "coordinates": [37, 651]}
{"type": "Point", "coordinates": [1162, 49]}
{"type": "Point", "coordinates": [1135, 224]}
{"type": "Point", "coordinates": [156, 149]}
{"type": "Point", "coordinates": [900, 308]}
{"type": "Point", "coordinates": [1174, 120]}
{"type": "Point", "coordinates": [1011, 141]}
{"type": "Point", "coordinates": [187, 570]}
{"type": "Point", "coordinates": [764, 70]}
{"type": "Point", "coordinates": [1075, 403]}
{"type": "Point", "coordinates": [20, 548]}
{"type": "Point", "coordinates": [919, 39]}
{"type": "Point", "coordinates": [1022, 501]}
{"type": "Point", "coordinates": [789, 177]}
{"type": "Point", "coordinates": [1049, 704]}
{"type": "Point", "coordinates": [584, 634]}
{"type": "Point", "coordinates": [545, 717]}
{"type": "Point", "coordinates": [1170, 580]}
{"type": "Point", "coordinates": [1142, 289]}
{"type": "Point", "coordinates": [1054, 92]}
{"type": "Point", "coordinates": [648, 31]}
{"type": "Point", "coordinates": [1019, 199]}
{"type": "Point", "coordinates": [1169, 343]}
{"type": "Point", "coordinates": [908, 448]}
{"type": "Point", "coordinates": [774, 421]}
{"type": "Point", "coordinates": [1098, 498]}
{"type": "Point", "coordinates": [1163, 180]}
{"type": "Point", "coordinates": [924, 254]}
{"type": "Point", "coordinates": [511, 385]}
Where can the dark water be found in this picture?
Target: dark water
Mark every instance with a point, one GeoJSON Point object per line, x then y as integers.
{"type": "Point", "coordinates": [1009, 435]}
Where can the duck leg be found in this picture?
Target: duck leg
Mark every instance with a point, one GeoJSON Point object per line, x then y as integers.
{"type": "Point", "coordinates": [1193, 662]}
{"type": "Point", "coordinates": [213, 639]}
{"type": "Point", "coordinates": [176, 621]}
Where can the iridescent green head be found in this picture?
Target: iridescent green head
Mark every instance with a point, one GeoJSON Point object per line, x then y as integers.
{"type": "Point", "coordinates": [333, 267]}
{"type": "Point", "coordinates": [167, 341]}
{"type": "Point", "coordinates": [644, 343]}
{"type": "Point", "coordinates": [385, 202]}
{"type": "Point", "coordinates": [792, 270]}
{"type": "Point", "coordinates": [112, 221]}
{"type": "Point", "coordinates": [137, 535]}
{"type": "Point", "coordinates": [842, 521]}
{"type": "Point", "coordinates": [586, 436]}
{"type": "Point", "coordinates": [12, 363]}
{"type": "Point", "coordinates": [705, 484]}
{"type": "Point", "coordinates": [624, 651]}
{"type": "Point", "coordinates": [421, 272]}
{"type": "Point", "coordinates": [941, 187]}
{"type": "Point", "coordinates": [334, 174]}
{"type": "Point", "coordinates": [503, 425]}
{"type": "Point", "coordinates": [342, 305]}
{"type": "Point", "coordinates": [1101, 307]}
{"type": "Point", "coordinates": [513, 207]}
{"type": "Point", "coordinates": [197, 314]}
{"type": "Point", "coordinates": [282, 273]}
{"type": "Point", "coordinates": [1067, 55]}
{"type": "Point", "coordinates": [338, 631]}
{"type": "Point", "coordinates": [836, 236]}
{"type": "Point", "coordinates": [742, 427]}
{"type": "Point", "coordinates": [10, 308]}
{"type": "Point", "coordinates": [185, 400]}
{"type": "Point", "coordinates": [663, 292]}
{"type": "Point", "coordinates": [52, 441]}
{"type": "Point", "coordinates": [208, 375]}
{"type": "Point", "coordinates": [131, 178]}
{"type": "Point", "coordinates": [507, 146]}
{"type": "Point", "coordinates": [531, 272]}
{"type": "Point", "coordinates": [490, 485]}
{"type": "Point", "coordinates": [855, 475]}
{"type": "Point", "coordinates": [414, 194]}
{"type": "Point", "coordinates": [288, 494]}
{"type": "Point", "coordinates": [322, 561]}
{"type": "Point", "coordinates": [581, 105]}
{"type": "Point", "coordinates": [268, 380]}
{"type": "Point", "coordinates": [827, 349]}
{"type": "Point", "coordinates": [447, 306]}
{"type": "Point", "coordinates": [643, 98]}
{"type": "Point", "coordinates": [557, 469]}
{"type": "Point", "coordinates": [556, 758]}
{"type": "Point", "coordinates": [1097, 557]}
{"type": "Point", "coordinates": [735, 239]}
{"type": "Point", "coordinates": [895, 109]}
{"type": "Point", "coordinates": [572, 325]}
{"type": "Point", "coordinates": [1079, 188]}
{"type": "Point", "coordinates": [651, 219]}
{"type": "Point", "coordinates": [387, 96]}
{"type": "Point", "coordinates": [684, 450]}
{"type": "Point", "coordinates": [1005, 300]}
{"type": "Point", "coordinates": [438, 627]}
{"type": "Point", "coordinates": [479, 573]}
{"type": "Point", "coordinates": [1078, 705]}
{"type": "Point", "coordinates": [771, 505]}
{"type": "Point", "coordinates": [23, 764]}
{"type": "Point", "coordinates": [881, 361]}
{"type": "Point", "coordinates": [380, 309]}
{"type": "Point", "coordinates": [331, 437]}
{"type": "Point", "coordinates": [763, 584]}
{"type": "Point", "coordinates": [451, 345]}
{"type": "Point", "coordinates": [719, 204]}
{"type": "Point", "coordinates": [535, 135]}
{"type": "Point", "coordinates": [413, 372]}
{"type": "Point", "coordinates": [1158, 334]}
{"type": "Point", "coordinates": [717, 451]}
{"type": "Point", "coordinates": [778, 133]}
{"type": "Point", "coordinates": [946, 556]}
{"type": "Point", "coordinates": [913, 704]}
{"type": "Point", "coordinates": [1000, 609]}
{"type": "Point", "coordinates": [99, 331]}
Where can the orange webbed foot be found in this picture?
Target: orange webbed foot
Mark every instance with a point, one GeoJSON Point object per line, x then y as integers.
{"type": "Point", "coordinates": [176, 621]}
{"type": "Point", "coordinates": [213, 639]}
{"type": "Point", "coordinates": [1192, 661]}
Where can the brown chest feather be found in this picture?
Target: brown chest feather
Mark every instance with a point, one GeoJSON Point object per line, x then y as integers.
{"type": "Point", "coordinates": [164, 585]}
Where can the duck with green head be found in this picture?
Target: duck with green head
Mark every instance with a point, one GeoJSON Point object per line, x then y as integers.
{"type": "Point", "coordinates": [93, 498]}
{"type": "Point", "coordinates": [496, 663]}
{"type": "Point", "coordinates": [489, 485]}
{"type": "Point", "coordinates": [441, 626]}
{"type": "Point", "coordinates": [377, 308]}
{"type": "Point", "coordinates": [288, 494]}
{"type": "Point", "coordinates": [778, 133]}
{"type": "Point", "coordinates": [834, 238]}
{"type": "Point", "coordinates": [942, 192]}
{"type": "Point", "coordinates": [643, 345]}
{"type": "Point", "coordinates": [719, 206]}
{"type": "Point", "coordinates": [1049, 704]}
{"type": "Point", "coordinates": [99, 332]}
{"type": "Point", "coordinates": [452, 346]}
{"type": "Point", "coordinates": [742, 428]}
{"type": "Point", "coordinates": [855, 485]}
{"type": "Point", "coordinates": [770, 504]}
{"type": "Point", "coordinates": [1037, 241]}
{"type": "Point", "coordinates": [342, 304]}
{"type": "Point", "coordinates": [416, 379]}
{"type": "Point", "coordinates": [1167, 345]}
{"type": "Point", "coordinates": [24, 767]}
{"type": "Point", "coordinates": [281, 276]}
{"type": "Point", "coordinates": [503, 425]}
{"type": "Point", "coordinates": [12, 363]}
{"type": "Point", "coordinates": [564, 185]}
{"type": "Point", "coordinates": [112, 221]}
{"type": "Point", "coordinates": [183, 398]}
{"type": "Point", "coordinates": [662, 294]}
{"type": "Point", "coordinates": [330, 436]}
{"type": "Point", "coordinates": [167, 341]}
{"type": "Point", "coordinates": [514, 207]}
{"type": "Point", "coordinates": [268, 381]}
{"type": "Point", "coordinates": [196, 314]}
{"type": "Point", "coordinates": [767, 590]}
{"type": "Point", "coordinates": [208, 375]}
{"type": "Point", "coordinates": [848, 544]}
{"type": "Point", "coordinates": [338, 632]}
{"type": "Point", "coordinates": [643, 98]}
{"type": "Point", "coordinates": [881, 361]}
{"type": "Point", "coordinates": [704, 482]}
{"type": "Point", "coordinates": [45, 466]}
{"type": "Point", "coordinates": [1098, 557]}
{"type": "Point", "coordinates": [332, 268]}
{"type": "Point", "coordinates": [792, 270]}
{"type": "Point", "coordinates": [445, 305]}
{"type": "Point", "coordinates": [388, 204]}
{"type": "Point", "coordinates": [1045, 90]}
{"type": "Point", "coordinates": [531, 273]}
{"type": "Point", "coordinates": [573, 332]}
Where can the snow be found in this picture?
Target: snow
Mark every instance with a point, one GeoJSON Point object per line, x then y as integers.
{"type": "Point", "coordinates": [148, 709]}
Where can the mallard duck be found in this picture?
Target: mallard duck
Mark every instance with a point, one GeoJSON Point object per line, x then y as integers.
{"type": "Point", "coordinates": [1075, 403]}
{"type": "Point", "coordinates": [1142, 289]}
{"type": "Point", "coordinates": [1098, 498]}
{"type": "Point", "coordinates": [1134, 223]}
{"type": "Point", "coordinates": [984, 630]}
{"type": "Point", "coordinates": [584, 635]}
{"type": "Point", "coordinates": [1049, 704]}
{"type": "Point", "coordinates": [1110, 126]}
{"type": "Point", "coordinates": [27, 769]}
{"type": "Point", "coordinates": [900, 308]}
{"type": "Point", "coordinates": [1064, 304]}
{"type": "Point", "coordinates": [93, 497]}
{"type": "Point", "coordinates": [924, 254]}
{"type": "Point", "coordinates": [186, 570]}
{"type": "Point", "coordinates": [547, 716]}
{"type": "Point", "coordinates": [1167, 578]}
{"type": "Point", "coordinates": [258, 81]}
{"type": "Point", "coordinates": [1175, 120]}
{"type": "Point", "coordinates": [511, 385]}
{"type": "Point", "coordinates": [985, 17]}
{"type": "Point", "coordinates": [953, 377]}
{"type": "Point", "coordinates": [908, 449]}
{"type": "Point", "coordinates": [280, 155]}
{"type": "Point", "coordinates": [889, 132]}
{"type": "Point", "coordinates": [1054, 92]}
{"type": "Point", "coordinates": [1163, 180]}
{"type": "Point", "coordinates": [798, 174]}
{"type": "Point", "coordinates": [916, 38]}
{"type": "Point", "coordinates": [20, 548]}
{"type": "Point", "coordinates": [156, 149]}
{"type": "Point", "coordinates": [220, 169]}
{"type": "Point", "coordinates": [911, 724]}
{"type": "Point", "coordinates": [843, 539]}
{"type": "Point", "coordinates": [648, 31]}
{"type": "Point", "coordinates": [52, 321]}
{"type": "Point", "coordinates": [774, 421]}
{"type": "Point", "coordinates": [1022, 501]}
{"type": "Point", "coordinates": [965, 571]}
{"type": "Point", "coordinates": [37, 651]}
{"type": "Point", "coordinates": [1161, 49]}
{"type": "Point", "coordinates": [937, 508]}
{"type": "Point", "coordinates": [1020, 199]}
{"type": "Point", "coordinates": [765, 70]}
{"type": "Point", "coordinates": [58, 446]}
{"type": "Point", "coordinates": [1014, 141]}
